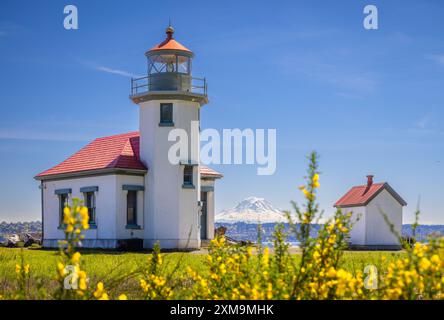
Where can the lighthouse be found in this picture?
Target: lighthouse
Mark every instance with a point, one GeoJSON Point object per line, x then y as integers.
{"type": "Point", "coordinates": [135, 194]}
{"type": "Point", "coordinates": [169, 98]}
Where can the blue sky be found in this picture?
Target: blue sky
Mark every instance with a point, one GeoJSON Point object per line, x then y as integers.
{"type": "Point", "coordinates": [367, 101]}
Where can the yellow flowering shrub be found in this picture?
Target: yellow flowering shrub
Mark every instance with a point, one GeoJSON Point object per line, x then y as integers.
{"type": "Point", "coordinates": [419, 276]}
{"type": "Point", "coordinates": [237, 273]}
{"type": "Point", "coordinates": [153, 284]}
{"type": "Point", "coordinates": [22, 271]}
{"type": "Point", "coordinates": [73, 281]}
{"type": "Point", "coordinates": [258, 272]}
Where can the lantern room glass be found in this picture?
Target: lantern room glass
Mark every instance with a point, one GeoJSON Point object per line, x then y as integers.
{"type": "Point", "coordinates": [169, 63]}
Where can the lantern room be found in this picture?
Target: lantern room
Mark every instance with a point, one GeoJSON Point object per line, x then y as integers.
{"type": "Point", "coordinates": [169, 56]}
{"type": "Point", "coordinates": [169, 70]}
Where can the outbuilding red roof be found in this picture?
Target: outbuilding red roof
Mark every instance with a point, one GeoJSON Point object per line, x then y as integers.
{"type": "Point", "coordinates": [113, 152]}
{"type": "Point", "coordinates": [362, 195]}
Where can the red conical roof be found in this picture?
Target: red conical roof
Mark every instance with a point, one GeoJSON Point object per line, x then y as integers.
{"type": "Point", "coordinates": [169, 43]}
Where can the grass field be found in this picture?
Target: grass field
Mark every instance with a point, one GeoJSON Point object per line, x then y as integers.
{"type": "Point", "coordinates": [122, 269]}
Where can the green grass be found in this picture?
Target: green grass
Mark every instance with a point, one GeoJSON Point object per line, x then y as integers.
{"type": "Point", "coordinates": [101, 265]}
{"type": "Point", "coordinates": [110, 267]}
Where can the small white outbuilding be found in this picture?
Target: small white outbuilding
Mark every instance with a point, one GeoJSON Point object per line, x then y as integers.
{"type": "Point", "coordinates": [368, 204]}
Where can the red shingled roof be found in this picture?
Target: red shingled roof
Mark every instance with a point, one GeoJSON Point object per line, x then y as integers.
{"type": "Point", "coordinates": [119, 151]}
{"type": "Point", "coordinates": [362, 195]}
{"type": "Point", "coordinates": [113, 152]}
{"type": "Point", "coordinates": [208, 172]}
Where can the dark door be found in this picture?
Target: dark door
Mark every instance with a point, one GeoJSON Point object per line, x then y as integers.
{"type": "Point", "coordinates": [203, 217]}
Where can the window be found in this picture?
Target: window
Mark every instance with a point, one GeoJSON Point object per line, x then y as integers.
{"type": "Point", "coordinates": [161, 63]}
{"type": "Point", "coordinates": [183, 64]}
{"type": "Point", "coordinates": [63, 202]}
{"type": "Point", "coordinates": [90, 203]}
{"type": "Point", "coordinates": [166, 114]}
{"type": "Point", "coordinates": [131, 208]}
{"type": "Point", "coordinates": [188, 176]}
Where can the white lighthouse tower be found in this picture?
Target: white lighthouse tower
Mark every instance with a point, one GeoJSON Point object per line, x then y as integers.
{"type": "Point", "coordinates": [169, 97]}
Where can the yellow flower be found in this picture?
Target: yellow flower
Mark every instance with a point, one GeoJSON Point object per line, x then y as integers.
{"type": "Point", "coordinates": [316, 181]}
{"type": "Point", "coordinates": [222, 269]}
{"type": "Point", "coordinates": [75, 258]}
{"type": "Point", "coordinates": [84, 212]}
{"type": "Point", "coordinates": [69, 228]}
{"type": "Point", "coordinates": [100, 290]}
{"type": "Point", "coordinates": [307, 194]}
{"type": "Point", "coordinates": [18, 268]}
{"type": "Point", "coordinates": [104, 297]}
{"type": "Point", "coordinates": [265, 257]}
{"type": "Point", "coordinates": [66, 216]}
{"type": "Point", "coordinates": [203, 282]}
{"type": "Point", "coordinates": [331, 273]}
{"type": "Point", "coordinates": [82, 284]}
{"type": "Point", "coordinates": [316, 255]}
{"type": "Point", "coordinates": [61, 269]}
{"type": "Point", "coordinates": [270, 291]}
{"type": "Point", "coordinates": [424, 264]}
{"type": "Point", "coordinates": [26, 268]}
{"type": "Point", "coordinates": [144, 285]}
{"type": "Point", "coordinates": [123, 297]}
{"type": "Point", "coordinates": [435, 259]}
{"type": "Point", "coordinates": [315, 177]}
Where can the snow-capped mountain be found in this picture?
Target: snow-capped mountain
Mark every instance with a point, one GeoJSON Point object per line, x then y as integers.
{"type": "Point", "coordinates": [252, 210]}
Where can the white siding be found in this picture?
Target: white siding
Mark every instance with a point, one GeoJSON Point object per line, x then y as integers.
{"type": "Point", "coordinates": [105, 206]}
{"type": "Point", "coordinates": [172, 211]}
{"type": "Point", "coordinates": [110, 209]}
{"type": "Point", "coordinates": [377, 230]}
{"type": "Point", "coordinates": [357, 233]}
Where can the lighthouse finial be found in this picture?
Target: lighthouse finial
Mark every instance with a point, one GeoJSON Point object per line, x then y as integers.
{"type": "Point", "coordinates": [170, 29]}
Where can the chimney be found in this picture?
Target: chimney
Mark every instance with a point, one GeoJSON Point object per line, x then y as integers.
{"type": "Point", "coordinates": [369, 180]}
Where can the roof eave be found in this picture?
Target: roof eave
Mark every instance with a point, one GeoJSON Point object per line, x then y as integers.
{"type": "Point", "coordinates": [395, 194]}
{"type": "Point", "coordinates": [154, 51]}
{"type": "Point", "coordinates": [349, 205]}
{"type": "Point", "coordinates": [211, 176]}
{"type": "Point", "coordinates": [86, 173]}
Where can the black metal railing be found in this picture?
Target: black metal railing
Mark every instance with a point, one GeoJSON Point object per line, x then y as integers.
{"type": "Point", "coordinates": [169, 82]}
